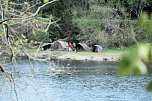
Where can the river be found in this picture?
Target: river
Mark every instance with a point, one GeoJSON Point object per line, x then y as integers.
{"type": "Point", "coordinates": [72, 81]}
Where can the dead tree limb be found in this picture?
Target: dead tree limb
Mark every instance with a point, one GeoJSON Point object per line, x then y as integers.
{"type": "Point", "coordinates": [2, 69]}
{"type": "Point", "coordinates": [50, 23]}
{"type": "Point", "coordinates": [1, 22]}
{"type": "Point", "coordinates": [41, 7]}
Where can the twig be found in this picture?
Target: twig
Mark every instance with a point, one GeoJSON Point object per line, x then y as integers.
{"type": "Point", "coordinates": [27, 18]}
{"type": "Point", "coordinates": [7, 74]}
{"type": "Point", "coordinates": [50, 23]}
{"type": "Point", "coordinates": [2, 69]}
{"type": "Point", "coordinates": [14, 87]}
{"type": "Point", "coordinates": [30, 7]}
{"type": "Point", "coordinates": [3, 21]}
{"type": "Point", "coordinates": [41, 7]}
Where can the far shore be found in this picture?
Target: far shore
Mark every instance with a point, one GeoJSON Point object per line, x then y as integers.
{"type": "Point", "coordinates": [84, 56]}
{"type": "Point", "coordinates": [105, 55]}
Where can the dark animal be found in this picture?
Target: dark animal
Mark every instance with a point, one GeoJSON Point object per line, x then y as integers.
{"type": "Point", "coordinates": [47, 46]}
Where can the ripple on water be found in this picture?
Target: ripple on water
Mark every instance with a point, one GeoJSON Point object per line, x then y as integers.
{"type": "Point", "coordinates": [75, 81]}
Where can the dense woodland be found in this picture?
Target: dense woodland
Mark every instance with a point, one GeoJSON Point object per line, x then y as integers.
{"type": "Point", "coordinates": [110, 23]}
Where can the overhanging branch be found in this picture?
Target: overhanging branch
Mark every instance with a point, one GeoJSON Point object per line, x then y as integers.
{"type": "Point", "coordinates": [1, 68]}
{"type": "Point", "coordinates": [50, 23]}
{"type": "Point", "coordinates": [29, 17]}
{"type": "Point", "coordinates": [41, 7]}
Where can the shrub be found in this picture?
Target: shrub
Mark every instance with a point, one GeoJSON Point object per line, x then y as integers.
{"type": "Point", "coordinates": [39, 36]}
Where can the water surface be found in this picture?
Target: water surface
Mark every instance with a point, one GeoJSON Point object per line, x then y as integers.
{"type": "Point", "coordinates": [72, 81]}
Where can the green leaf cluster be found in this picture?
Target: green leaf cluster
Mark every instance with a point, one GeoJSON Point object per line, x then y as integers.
{"type": "Point", "coordinates": [144, 23]}
{"type": "Point", "coordinates": [45, 1]}
{"type": "Point", "coordinates": [135, 63]}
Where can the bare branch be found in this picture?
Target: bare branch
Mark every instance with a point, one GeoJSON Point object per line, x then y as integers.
{"type": "Point", "coordinates": [50, 23]}
{"type": "Point", "coordinates": [41, 7]}
{"type": "Point", "coordinates": [3, 21]}
{"type": "Point", "coordinates": [16, 4]}
{"type": "Point", "coordinates": [7, 74]}
{"type": "Point", "coordinates": [29, 18]}
{"type": "Point", "coordinates": [1, 68]}
{"type": "Point", "coordinates": [31, 7]}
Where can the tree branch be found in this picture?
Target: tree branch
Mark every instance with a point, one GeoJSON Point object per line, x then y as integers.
{"type": "Point", "coordinates": [27, 18]}
{"type": "Point", "coordinates": [41, 7]}
{"type": "Point", "coordinates": [2, 69]}
{"type": "Point", "coordinates": [30, 7]}
{"type": "Point", "coordinates": [3, 21]}
{"type": "Point", "coordinates": [50, 23]}
{"type": "Point", "coordinates": [7, 74]}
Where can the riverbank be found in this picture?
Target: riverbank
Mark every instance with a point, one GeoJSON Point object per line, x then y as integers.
{"type": "Point", "coordinates": [107, 55]}
{"type": "Point", "coordinates": [89, 58]}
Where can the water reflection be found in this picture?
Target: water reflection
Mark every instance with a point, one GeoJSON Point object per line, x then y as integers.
{"type": "Point", "coordinates": [73, 81]}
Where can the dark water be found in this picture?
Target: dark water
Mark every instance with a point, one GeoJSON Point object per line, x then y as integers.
{"type": "Point", "coordinates": [72, 81]}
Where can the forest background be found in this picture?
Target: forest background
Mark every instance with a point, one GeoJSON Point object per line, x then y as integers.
{"type": "Point", "coordinates": [109, 23]}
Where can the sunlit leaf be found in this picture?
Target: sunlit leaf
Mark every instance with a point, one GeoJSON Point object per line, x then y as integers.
{"type": "Point", "coordinates": [17, 42]}
{"type": "Point", "coordinates": [150, 54]}
{"type": "Point", "coordinates": [149, 86]}
{"type": "Point", "coordinates": [124, 68]}
{"type": "Point", "coordinates": [131, 64]}
{"type": "Point", "coordinates": [149, 26]}
{"type": "Point", "coordinates": [26, 3]}
{"type": "Point", "coordinates": [23, 36]}
{"type": "Point", "coordinates": [142, 19]}
{"type": "Point", "coordinates": [138, 68]}
{"type": "Point", "coordinates": [45, 1]}
{"type": "Point", "coordinates": [143, 52]}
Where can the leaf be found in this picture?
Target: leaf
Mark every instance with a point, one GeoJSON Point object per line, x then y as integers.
{"type": "Point", "coordinates": [149, 26]}
{"type": "Point", "coordinates": [17, 42]}
{"type": "Point", "coordinates": [149, 86]}
{"type": "Point", "coordinates": [138, 68]}
{"type": "Point", "coordinates": [45, 1]}
{"type": "Point", "coordinates": [26, 3]}
{"type": "Point", "coordinates": [124, 67]}
{"type": "Point", "coordinates": [131, 65]}
{"type": "Point", "coordinates": [23, 36]}
{"type": "Point", "coordinates": [142, 19]}
{"type": "Point", "coordinates": [143, 52]}
{"type": "Point", "coordinates": [150, 54]}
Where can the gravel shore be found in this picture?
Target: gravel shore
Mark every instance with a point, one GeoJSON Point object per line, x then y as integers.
{"type": "Point", "coordinates": [88, 58]}
{"type": "Point", "coordinates": [64, 55]}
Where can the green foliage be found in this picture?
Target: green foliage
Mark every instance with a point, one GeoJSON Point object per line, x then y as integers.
{"type": "Point", "coordinates": [60, 10]}
{"type": "Point", "coordinates": [149, 86]}
{"type": "Point", "coordinates": [45, 1]}
{"type": "Point", "coordinates": [85, 22]}
{"type": "Point", "coordinates": [133, 7]}
{"type": "Point", "coordinates": [135, 63]}
{"type": "Point", "coordinates": [143, 28]}
{"type": "Point", "coordinates": [131, 66]}
{"type": "Point", "coordinates": [142, 20]}
{"type": "Point", "coordinates": [39, 36]}
{"type": "Point", "coordinates": [132, 63]}
{"type": "Point", "coordinates": [104, 25]}
{"type": "Point", "coordinates": [144, 52]}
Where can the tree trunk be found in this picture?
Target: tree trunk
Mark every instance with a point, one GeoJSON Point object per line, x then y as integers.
{"type": "Point", "coordinates": [0, 9]}
{"type": "Point", "coordinates": [5, 28]}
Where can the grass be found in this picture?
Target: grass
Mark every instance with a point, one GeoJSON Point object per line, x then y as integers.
{"type": "Point", "coordinates": [107, 52]}
{"type": "Point", "coordinates": [113, 52]}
